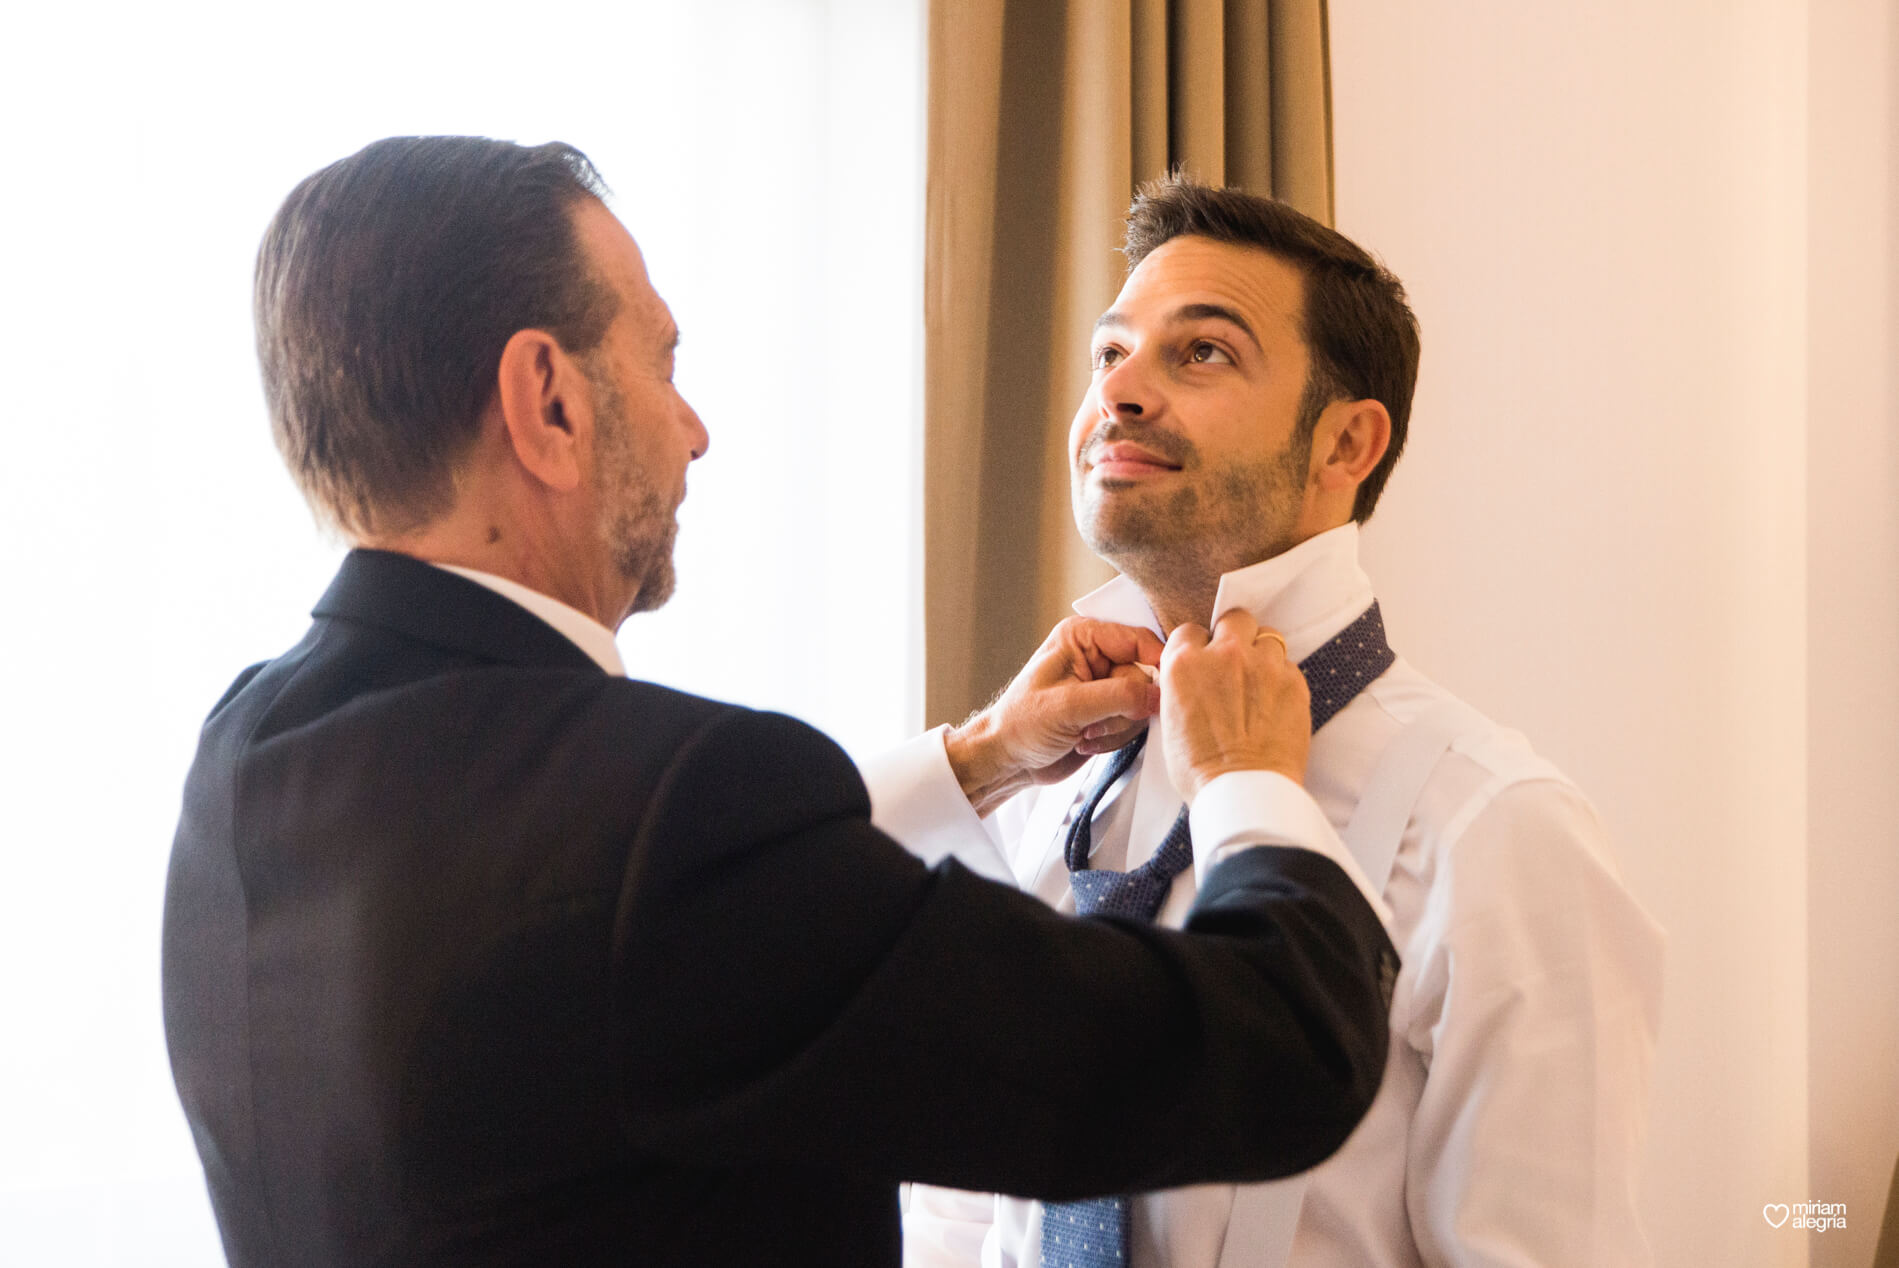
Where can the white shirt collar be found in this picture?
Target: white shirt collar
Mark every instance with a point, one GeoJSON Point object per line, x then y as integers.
{"type": "Point", "coordinates": [582, 630]}
{"type": "Point", "coordinates": [1308, 593]}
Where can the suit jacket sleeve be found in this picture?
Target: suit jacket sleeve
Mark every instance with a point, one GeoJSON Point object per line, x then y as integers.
{"type": "Point", "coordinates": [792, 987]}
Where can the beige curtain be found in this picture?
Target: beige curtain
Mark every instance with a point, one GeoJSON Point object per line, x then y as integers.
{"type": "Point", "coordinates": [1043, 117]}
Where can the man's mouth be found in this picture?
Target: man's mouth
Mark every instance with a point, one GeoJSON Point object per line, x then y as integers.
{"type": "Point", "coordinates": [1123, 460]}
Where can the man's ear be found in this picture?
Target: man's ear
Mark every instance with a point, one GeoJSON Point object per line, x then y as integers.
{"type": "Point", "coordinates": [546, 406]}
{"type": "Point", "coordinates": [1347, 444]}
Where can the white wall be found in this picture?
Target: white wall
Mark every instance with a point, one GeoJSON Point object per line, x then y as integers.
{"type": "Point", "coordinates": [1602, 533]}
{"type": "Point", "coordinates": [1853, 607]}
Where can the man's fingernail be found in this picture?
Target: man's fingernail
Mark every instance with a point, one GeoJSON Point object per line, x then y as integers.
{"type": "Point", "coordinates": [1153, 674]}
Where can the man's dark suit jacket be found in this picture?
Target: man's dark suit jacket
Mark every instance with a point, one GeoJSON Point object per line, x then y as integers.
{"type": "Point", "coordinates": [476, 955]}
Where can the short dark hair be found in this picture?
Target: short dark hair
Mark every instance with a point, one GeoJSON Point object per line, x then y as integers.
{"type": "Point", "coordinates": [1362, 336]}
{"type": "Point", "coordinates": [387, 285]}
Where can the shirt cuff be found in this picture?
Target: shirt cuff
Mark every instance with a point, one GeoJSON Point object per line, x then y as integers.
{"type": "Point", "coordinates": [915, 799]}
{"type": "Point", "coordinates": [1242, 809]}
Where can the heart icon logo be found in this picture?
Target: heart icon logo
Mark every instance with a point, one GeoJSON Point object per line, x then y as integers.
{"type": "Point", "coordinates": [1776, 1213]}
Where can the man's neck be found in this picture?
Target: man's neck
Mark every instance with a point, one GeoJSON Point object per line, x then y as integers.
{"type": "Point", "coordinates": [513, 554]}
{"type": "Point", "coordinates": [1307, 593]}
{"type": "Point", "coordinates": [498, 530]}
{"type": "Point", "coordinates": [1182, 586]}
{"type": "Point", "coordinates": [1179, 605]}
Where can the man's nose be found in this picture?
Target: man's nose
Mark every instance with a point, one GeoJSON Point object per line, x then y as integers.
{"type": "Point", "coordinates": [701, 438]}
{"type": "Point", "coordinates": [1127, 389]}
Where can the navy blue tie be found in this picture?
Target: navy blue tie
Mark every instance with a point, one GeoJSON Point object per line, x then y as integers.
{"type": "Point", "coordinates": [1094, 1232]}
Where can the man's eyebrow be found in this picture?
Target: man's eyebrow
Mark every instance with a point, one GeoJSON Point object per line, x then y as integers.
{"type": "Point", "coordinates": [1185, 313]}
{"type": "Point", "coordinates": [1200, 312]}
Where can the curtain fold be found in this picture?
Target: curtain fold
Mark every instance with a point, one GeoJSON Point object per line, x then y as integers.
{"type": "Point", "coordinates": [1043, 117]}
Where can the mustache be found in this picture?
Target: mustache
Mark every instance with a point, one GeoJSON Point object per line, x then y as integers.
{"type": "Point", "coordinates": [1163, 444]}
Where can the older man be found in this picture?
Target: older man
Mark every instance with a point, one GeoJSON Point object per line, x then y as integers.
{"type": "Point", "coordinates": [477, 952]}
{"type": "Point", "coordinates": [1252, 385]}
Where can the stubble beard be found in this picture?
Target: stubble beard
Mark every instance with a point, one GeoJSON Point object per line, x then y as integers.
{"type": "Point", "coordinates": [1176, 544]}
{"type": "Point", "coordinates": [638, 523]}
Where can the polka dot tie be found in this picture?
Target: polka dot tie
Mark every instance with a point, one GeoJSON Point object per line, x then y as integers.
{"type": "Point", "coordinates": [1094, 1232]}
{"type": "Point", "coordinates": [1090, 1234]}
{"type": "Point", "coordinates": [1346, 665]}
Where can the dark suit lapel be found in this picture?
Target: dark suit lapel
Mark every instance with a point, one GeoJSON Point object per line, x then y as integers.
{"type": "Point", "coordinates": [407, 596]}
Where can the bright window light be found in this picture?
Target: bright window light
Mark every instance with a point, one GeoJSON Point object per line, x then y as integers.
{"type": "Point", "coordinates": [766, 154]}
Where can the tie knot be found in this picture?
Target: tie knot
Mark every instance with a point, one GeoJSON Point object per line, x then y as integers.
{"type": "Point", "coordinates": [1335, 674]}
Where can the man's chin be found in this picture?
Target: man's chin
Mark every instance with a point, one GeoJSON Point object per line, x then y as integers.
{"type": "Point", "coordinates": [1113, 529]}
{"type": "Point", "coordinates": [656, 587]}
{"type": "Point", "coordinates": [646, 560]}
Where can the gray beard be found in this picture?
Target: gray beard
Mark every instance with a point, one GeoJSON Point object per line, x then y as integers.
{"type": "Point", "coordinates": [641, 539]}
{"type": "Point", "coordinates": [638, 524]}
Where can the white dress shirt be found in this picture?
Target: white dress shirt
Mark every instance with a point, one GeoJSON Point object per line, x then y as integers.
{"type": "Point", "coordinates": [581, 630]}
{"type": "Point", "coordinates": [1509, 1125]}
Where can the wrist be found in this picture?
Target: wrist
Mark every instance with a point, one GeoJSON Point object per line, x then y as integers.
{"type": "Point", "coordinates": [981, 765]}
{"type": "Point", "coordinates": [1200, 777]}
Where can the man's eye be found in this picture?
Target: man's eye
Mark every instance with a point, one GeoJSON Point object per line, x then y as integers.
{"type": "Point", "coordinates": [1204, 353]}
{"type": "Point", "coordinates": [1105, 357]}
